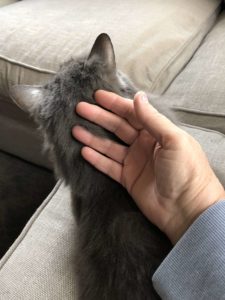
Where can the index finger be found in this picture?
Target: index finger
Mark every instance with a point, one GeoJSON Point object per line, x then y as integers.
{"type": "Point", "coordinates": [121, 106]}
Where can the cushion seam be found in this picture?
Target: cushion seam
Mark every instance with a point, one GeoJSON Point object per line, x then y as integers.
{"type": "Point", "coordinates": [197, 111]}
{"type": "Point", "coordinates": [202, 129]}
{"type": "Point", "coordinates": [20, 64]}
{"type": "Point", "coordinates": [29, 225]}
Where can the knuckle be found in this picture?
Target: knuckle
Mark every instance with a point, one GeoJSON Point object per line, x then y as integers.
{"type": "Point", "coordinates": [177, 138]}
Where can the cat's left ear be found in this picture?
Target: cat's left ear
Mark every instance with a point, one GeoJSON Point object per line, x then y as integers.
{"type": "Point", "coordinates": [103, 49]}
{"type": "Point", "coordinates": [27, 97]}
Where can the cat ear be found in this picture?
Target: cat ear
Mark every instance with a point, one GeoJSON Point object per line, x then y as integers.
{"type": "Point", "coordinates": [27, 97]}
{"type": "Point", "coordinates": [103, 48]}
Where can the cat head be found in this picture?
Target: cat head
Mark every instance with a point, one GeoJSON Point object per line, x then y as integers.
{"type": "Point", "coordinates": [77, 77]}
{"type": "Point", "coordinates": [53, 104]}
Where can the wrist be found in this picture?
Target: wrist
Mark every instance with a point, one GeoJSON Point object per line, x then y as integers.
{"type": "Point", "coordinates": [188, 213]}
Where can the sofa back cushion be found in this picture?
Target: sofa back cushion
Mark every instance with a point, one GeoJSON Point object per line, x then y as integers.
{"type": "Point", "coordinates": [153, 39]}
{"type": "Point", "coordinates": [198, 93]}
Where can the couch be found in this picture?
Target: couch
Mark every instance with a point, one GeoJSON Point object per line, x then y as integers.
{"type": "Point", "coordinates": [173, 48]}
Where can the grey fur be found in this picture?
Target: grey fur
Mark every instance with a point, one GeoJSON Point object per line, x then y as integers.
{"type": "Point", "coordinates": [118, 249]}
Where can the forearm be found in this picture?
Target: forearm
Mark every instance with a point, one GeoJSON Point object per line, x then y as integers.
{"type": "Point", "coordinates": [195, 268]}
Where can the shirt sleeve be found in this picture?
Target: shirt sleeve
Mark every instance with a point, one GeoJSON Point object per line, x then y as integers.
{"type": "Point", "coordinates": [195, 267]}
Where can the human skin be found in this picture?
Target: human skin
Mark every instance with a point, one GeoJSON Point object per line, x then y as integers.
{"type": "Point", "coordinates": [162, 167]}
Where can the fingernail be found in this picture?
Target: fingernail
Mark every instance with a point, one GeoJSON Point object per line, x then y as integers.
{"type": "Point", "coordinates": [144, 97]}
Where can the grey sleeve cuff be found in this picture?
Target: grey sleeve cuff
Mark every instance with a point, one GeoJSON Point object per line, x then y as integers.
{"type": "Point", "coordinates": [195, 268]}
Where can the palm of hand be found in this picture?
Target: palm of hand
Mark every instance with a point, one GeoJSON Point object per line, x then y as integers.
{"type": "Point", "coordinates": [140, 175]}
{"type": "Point", "coordinates": [138, 161]}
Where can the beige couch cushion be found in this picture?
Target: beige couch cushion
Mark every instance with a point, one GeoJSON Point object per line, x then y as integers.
{"type": "Point", "coordinates": [199, 90]}
{"type": "Point", "coordinates": [153, 39]}
{"type": "Point", "coordinates": [40, 264]}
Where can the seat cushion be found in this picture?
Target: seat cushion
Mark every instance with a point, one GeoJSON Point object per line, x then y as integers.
{"type": "Point", "coordinates": [19, 135]}
{"type": "Point", "coordinates": [198, 92]}
{"type": "Point", "coordinates": [213, 144]}
{"type": "Point", "coordinates": [40, 264]}
{"type": "Point", "coordinates": [153, 39]}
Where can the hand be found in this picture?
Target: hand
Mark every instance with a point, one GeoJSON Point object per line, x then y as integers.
{"type": "Point", "coordinates": [162, 167]}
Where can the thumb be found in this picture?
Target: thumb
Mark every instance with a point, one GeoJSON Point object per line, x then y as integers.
{"type": "Point", "coordinates": [161, 128]}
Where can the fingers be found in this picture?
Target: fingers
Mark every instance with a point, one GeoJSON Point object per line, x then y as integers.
{"type": "Point", "coordinates": [121, 106]}
{"type": "Point", "coordinates": [107, 147]}
{"type": "Point", "coordinates": [103, 163]}
{"type": "Point", "coordinates": [108, 120]}
{"type": "Point", "coordinates": [161, 128]}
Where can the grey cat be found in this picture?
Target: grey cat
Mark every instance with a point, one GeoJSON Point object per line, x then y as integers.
{"type": "Point", "coordinates": [118, 249]}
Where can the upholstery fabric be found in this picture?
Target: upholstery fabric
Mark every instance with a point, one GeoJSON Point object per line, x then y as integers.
{"type": "Point", "coordinates": [40, 264]}
{"type": "Point", "coordinates": [199, 90]}
{"type": "Point", "coordinates": [18, 135]}
{"type": "Point", "coordinates": [153, 39]}
{"type": "Point", "coordinates": [213, 144]}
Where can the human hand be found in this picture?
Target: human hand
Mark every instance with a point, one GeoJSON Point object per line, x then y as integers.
{"type": "Point", "coordinates": [162, 167]}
